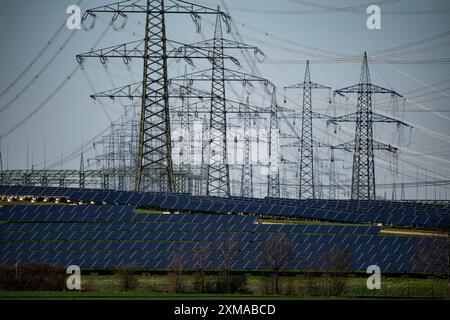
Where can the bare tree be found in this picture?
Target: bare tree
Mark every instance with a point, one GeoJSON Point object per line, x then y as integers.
{"type": "Point", "coordinates": [201, 260]}
{"type": "Point", "coordinates": [127, 278]}
{"type": "Point", "coordinates": [276, 255]}
{"type": "Point", "coordinates": [337, 265]}
{"type": "Point", "coordinates": [227, 254]}
{"type": "Point", "coordinates": [176, 266]}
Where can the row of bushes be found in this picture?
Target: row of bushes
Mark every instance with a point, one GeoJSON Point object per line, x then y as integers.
{"type": "Point", "coordinates": [33, 277]}
{"type": "Point", "coordinates": [328, 284]}
{"type": "Point", "coordinates": [40, 277]}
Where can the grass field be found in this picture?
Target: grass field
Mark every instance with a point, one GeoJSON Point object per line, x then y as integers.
{"type": "Point", "coordinates": [294, 287]}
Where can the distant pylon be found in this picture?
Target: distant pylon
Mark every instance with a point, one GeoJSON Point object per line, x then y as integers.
{"type": "Point", "coordinates": [82, 172]}
{"type": "Point", "coordinates": [332, 190]}
{"type": "Point", "coordinates": [363, 176]}
{"type": "Point", "coordinates": [306, 170]}
{"type": "Point", "coordinates": [363, 173]}
{"type": "Point", "coordinates": [218, 168]}
{"type": "Point", "coordinates": [318, 192]}
{"type": "Point", "coordinates": [273, 177]}
{"type": "Point", "coordinates": [247, 172]}
{"type": "Point", "coordinates": [394, 191]}
{"type": "Point", "coordinates": [185, 150]}
{"type": "Point", "coordinates": [402, 195]}
{"type": "Point", "coordinates": [218, 177]}
{"type": "Point", "coordinates": [204, 165]}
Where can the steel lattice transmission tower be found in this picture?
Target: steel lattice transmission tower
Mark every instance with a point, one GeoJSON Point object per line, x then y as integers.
{"type": "Point", "coordinates": [306, 170]}
{"type": "Point", "coordinates": [332, 177]}
{"type": "Point", "coordinates": [273, 177]}
{"type": "Point", "coordinates": [185, 183]}
{"type": "Point", "coordinates": [217, 170]}
{"type": "Point", "coordinates": [154, 165]}
{"type": "Point", "coordinates": [363, 172]}
{"type": "Point", "coordinates": [247, 171]}
{"type": "Point", "coordinates": [218, 175]}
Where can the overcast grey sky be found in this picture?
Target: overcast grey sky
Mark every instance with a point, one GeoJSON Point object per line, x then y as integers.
{"type": "Point", "coordinates": [288, 31]}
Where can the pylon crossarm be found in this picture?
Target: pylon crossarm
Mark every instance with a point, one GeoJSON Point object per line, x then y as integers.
{"type": "Point", "coordinates": [180, 6]}
{"type": "Point", "coordinates": [302, 85]}
{"type": "Point", "coordinates": [357, 88]}
{"type": "Point", "coordinates": [186, 90]}
{"type": "Point", "coordinates": [352, 117]}
{"type": "Point", "coordinates": [233, 106]}
{"type": "Point", "coordinates": [229, 75]}
{"type": "Point", "coordinates": [227, 44]}
{"type": "Point", "coordinates": [299, 115]}
{"type": "Point", "coordinates": [297, 144]}
{"type": "Point", "coordinates": [377, 89]}
{"type": "Point", "coordinates": [129, 91]}
{"type": "Point", "coordinates": [377, 145]}
{"type": "Point", "coordinates": [127, 6]}
{"type": "Point", "coordinates": [187, 51]}
{"type": "Point", "coordinates": [383, 146]}
{"type": "Point", "coordinates": [376, 117]}
{"type": "Point", "coordinates": [140, 6]}
{"type": "Point", "coordinates": [132, 91]}
{"type": "Point", "coordinates": [136, 50]}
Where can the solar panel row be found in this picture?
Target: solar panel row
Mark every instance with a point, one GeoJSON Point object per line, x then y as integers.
{"type": "Point", "coordinates": [61, 246]}
{"type": "Point", "coordinates": [243, 242]}
{"type": "Point", "coordinates": [137, 236]}
{"type": "Point", "coordinates": [187, 227]}
{"type": "Point", "coordinates": [245, 260]}
{"type": "Point", "coordinates": [47, 213]}
{"type": "Point", "coordinates": [348, 211]}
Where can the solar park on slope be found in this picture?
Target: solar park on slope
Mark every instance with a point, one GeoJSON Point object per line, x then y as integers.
{"type": "Point", "coordinates": [105, 232]}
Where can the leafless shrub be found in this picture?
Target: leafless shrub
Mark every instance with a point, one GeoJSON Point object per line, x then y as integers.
{"type": "Point", "coordinates": [176, 265]}
{"type": "Point", "coordinates": [127, 278]}
{"type": "Point", "coordinates": [276, 255]}
{"type": "Point", "coordinates": [227, 256]}
{"type": "Point", "coordinates": [337, 266]}
{"type": "Point", "coordinates": [33, 277]}
{"type": "Point", "coordinates": [201, 259]}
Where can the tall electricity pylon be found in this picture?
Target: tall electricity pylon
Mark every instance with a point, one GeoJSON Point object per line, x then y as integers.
{"type": "Point", "coordinates": [306, 177]}
{"type": "Point", "coordinates": [332, 178]}
{"type": "Point", "coordinates": [154, 166]}
{"type": "Point", "coordinates": [363, 172]}
{"type": "Point", "coordinates": [185, 151]}
{"type": "Point", "coordinates": [273, 176]}
{"type": "Point", "coordinates": [217, 173]}
{"type": "Point", "coordinates": [247, 170]}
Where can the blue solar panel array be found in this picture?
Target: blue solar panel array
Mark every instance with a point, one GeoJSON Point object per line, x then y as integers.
{"type": "Point", "coordinates": [85, 235]}
{"type": "Point", "coordinates": [110, 235]}
{"type": "Point", "coordinates": [346, 211]}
